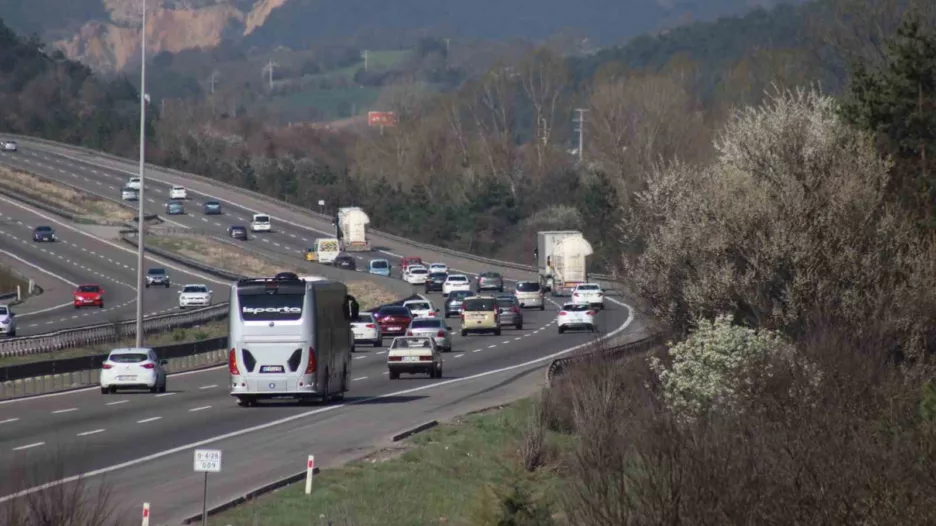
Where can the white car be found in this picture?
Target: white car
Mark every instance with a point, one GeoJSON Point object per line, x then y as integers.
{"type": "Point", "coordinates": [588, 294]}
{"type": "Point", "coordinates": [416, 275]}
{"type": "Point", "coordinates": [194, 295]}
{"type": "Point", "coordinates": [261, 223]}
{"type": "Point", "coordinates": [7, 321]}
{"type": "Point", "coordinates": [178, 192]}
{"type": "Point", "coordinates": [9, 146]}
{"type": "Point", "coordinates": [438, 268]}
{"type": "Point", "coordinates": [133, 368]}
{"type": "Point", "coordinates": [434, 328]}
{"type": "Point", "coordinates": [366, 329]}
{"type": "Point", "coordinates": [129, 194]}
{"type": "Point", "coordinates": [456, 282]}
{"type": "Point", "coordinates": [530, 294]}
{"type": "Point", "coordinates": [421, 308]}
{"type": "Point", "coordinates": [414, 355]}
{"type": "Point", "coordinates": [576, 316]}
{"type": "Point", "coordinates": [134, 183]}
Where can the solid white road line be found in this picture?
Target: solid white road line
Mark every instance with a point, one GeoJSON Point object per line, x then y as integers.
{"type": "Point", "coordinates": [152, 419]}
{"type": "Point", "coordinates": [29, 446]}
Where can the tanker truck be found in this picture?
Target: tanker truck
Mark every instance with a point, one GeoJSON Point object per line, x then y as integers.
{"type": "Point", "coordinates": [561, 260]}
{"type": "Point", "coordinates": [352, 229]}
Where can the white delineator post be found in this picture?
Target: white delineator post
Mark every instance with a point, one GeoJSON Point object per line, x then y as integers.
{"type": "Point", "coordinates": [310, 470]}
{"type": "Point", "coordinates": [146, 514]}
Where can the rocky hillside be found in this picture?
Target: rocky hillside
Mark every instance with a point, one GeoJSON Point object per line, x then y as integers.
{"type": "Point", "coordinates": [105, 34]}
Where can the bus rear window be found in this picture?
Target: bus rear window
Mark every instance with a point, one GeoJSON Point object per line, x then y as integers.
{"type": "Point", "coordinates": [274, 307]}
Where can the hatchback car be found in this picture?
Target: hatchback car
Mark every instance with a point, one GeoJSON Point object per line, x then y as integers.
{"type": "Point", "coordinates": [88, 296]}
{"type": "Point", "coordinates": [212, 208]}
{"type": "Point", "coordinates": [576, 317]}
{"type": "Point", "coordinates": [416, 275]}
{"type": "Point", "coordinates": [238, 232]}
{"type": "Point", "coordinates": [157, 276]}
{"type": "Point", "coordinates": [43, 233]}
{"type": "Point", "coordinates": [174, 208]}
{"type": "Point", "coordinates": [490, 281]}
{"type": "Point", "coordinates": [380, 267]}
{"type": "Point", "coordinates": [7, 321]}
{"type": "Point", "coordinates": [453, 303]}
{"type": "Point", "coordinates": [440, 268]}
{"type": "Point", "coordinates": [178, 192]}
{"type": "Point", "coordinates": [393, 319]}
{"type": "Point", "coordinates": [134, 183]}
{"type": "Point", "coordinates": [530, 294]}
{"type": "Point", "coordinates": [421, 308]}
{"type": "Point", "coordinates": [435, 328]}
{"type": "Point", "coordinates": [414, 355]}
{"type": "Point", "coordinates": [194, 295]}
{"type": "Point", "coordinates": [10, 146]}
{"type": "Point", "coordinates": [345, 261]}
{"type": "Point", "coordinates": [480, 314]}
{"type": "Point", "coordinates": [367, 330]}
{"type": "Point", "coordinates": [133, 368]}
{"type": "Point", "coordinates": [436, 281]}
{"type": "Point", "coordinates": [508, 311]}
{"type": "Point", "coordinates": [129, 194]}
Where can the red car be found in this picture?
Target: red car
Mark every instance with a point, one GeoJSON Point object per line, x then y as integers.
{"type": "Point", "coordinates": [405, 262]}
{"type": "Point", "coordinates": [393, 320]}
{"type": "Point", "coordinates": [89, 296]}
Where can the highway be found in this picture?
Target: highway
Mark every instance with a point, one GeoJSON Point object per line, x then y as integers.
{"type": "Point", "coordinates": [141, 445]}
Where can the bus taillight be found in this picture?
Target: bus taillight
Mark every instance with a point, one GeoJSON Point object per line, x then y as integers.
{"type": "Point", "coordinates": [310, 369]}
{"type": "Point", "coordinates": [232, 363]}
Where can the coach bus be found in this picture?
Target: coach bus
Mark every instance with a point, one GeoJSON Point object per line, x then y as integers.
{"type": "Point", "coordinates": [289, 338]}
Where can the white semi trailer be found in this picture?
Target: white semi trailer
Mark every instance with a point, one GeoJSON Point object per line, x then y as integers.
{"type": "Point", "coordinates": [562, 260]}
{"type": "Point", "coordinates": [352, 224]}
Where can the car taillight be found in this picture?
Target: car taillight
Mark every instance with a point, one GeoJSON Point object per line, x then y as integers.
{"type": "Point", "coordinates": [395, 359]}
{"type": "Point", "coordinates": [148, 366]}
{"type": "Point", "coordinates": [311, 368]}
{"type": "Point", "coordinates": [425, 358]}
{"type": "Point", "coordinates": [232, 363]}
{"type": "Point", "coordinates": [370, 325]}
{"type": "Point", "coordinates": [107, 366]}
{"type": "Point", "coordinates": [562, 313]}
{"type": "Point", "coordinates": [591, 313]}
{"type": "Point", "coordinates": [409, 333]}
{"type": "Point", "coordinates": [441, 334]}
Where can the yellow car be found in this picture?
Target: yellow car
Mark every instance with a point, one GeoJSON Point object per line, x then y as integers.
{"type": "Point", "coordinates": [311, 255]}
{"type": "Point", "coordinates": [479, 314]}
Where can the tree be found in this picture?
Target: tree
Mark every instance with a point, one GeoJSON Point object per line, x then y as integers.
{"type": "Point", "coordinates": [897, 101]}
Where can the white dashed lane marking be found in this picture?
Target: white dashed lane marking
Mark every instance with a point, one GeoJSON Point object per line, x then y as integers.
{"type": "Point", "coordinates": [87, 433]}
{"type": "Point", "coordinates": [117, 402]}
{"type": "Point", "coordinates": [212, 386]}
{"type": "Point", "coordinates": [199, 408]}
{"type": "Point", "coordinates": [8, 421]}
{"type": "Point", "coordinates": [164, 394]}
{"type": "Point", "coordinates": [152, 419]}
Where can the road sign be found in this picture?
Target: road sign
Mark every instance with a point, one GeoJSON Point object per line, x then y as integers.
{"type": "Point", "coordinates": [381, 118]}
{"type": "Point", "coordinates": [321, 202]}
{"type": "Point", "coordinates": [208, 460]}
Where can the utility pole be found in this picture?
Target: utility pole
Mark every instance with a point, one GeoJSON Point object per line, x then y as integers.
{"type": "Point", "coordinates": [213, 80]}
{"type": "Point", "coordinates": [447, 40]}
{"type": "Point", "coordinates": [365, 59]}
{"type": "Point", "coordinates": [269, 68]}
{"type": "Point", "coordinates": [580, 121]}
{"type": "Point", "coordinates": [140, 224]}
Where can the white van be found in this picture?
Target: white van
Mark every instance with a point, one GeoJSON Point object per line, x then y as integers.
{"type": "Point", "coordinates": [261, 223]}
{"type": "Point", "coordinates": [326, 250]}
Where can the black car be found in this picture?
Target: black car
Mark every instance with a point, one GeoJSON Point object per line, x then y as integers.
{"type": "Point", "coordinates": [435, 281]}
{"type": "Point", "coordinates": [212, 208]}
{"type": "Point", "coordinates": [43, 233]}
{"type": "Point", "coordinates": [345, 261]}
{"type": "Point", "coordinates": [238, 232]}
{"type": "Point", "coordinates": [453, 303]}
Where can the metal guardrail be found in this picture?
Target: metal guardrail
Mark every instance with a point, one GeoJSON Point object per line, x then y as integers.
{"type": "Point", "coordinates": [299, 209]}
{"type": "Point", "coordinates": [107, 332]}
{"type": "Point", "coordinates": [558, 366]}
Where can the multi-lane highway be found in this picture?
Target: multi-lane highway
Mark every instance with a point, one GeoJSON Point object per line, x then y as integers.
{"type": "Point", "coordinates": [140, 445]}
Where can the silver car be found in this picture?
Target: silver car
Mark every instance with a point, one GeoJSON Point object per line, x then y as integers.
{"type": "Point", "coordinates": [508, 310]}
{"type": "Point", "coordinates": [7, 321]}
{"type": "Point", "coordinates": [490, 281]}
{"type": "Point", "coordinates": [453, 303]}
{"type": "Point", "coordinates": [432, 328]}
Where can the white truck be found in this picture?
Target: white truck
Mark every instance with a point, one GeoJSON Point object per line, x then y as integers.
{"type": "Point", "coordinates": [561, 259]}
{"type": "Point", "coordinates": [352, 228]}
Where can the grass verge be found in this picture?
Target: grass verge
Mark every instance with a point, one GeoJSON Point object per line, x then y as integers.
{"type": "Point", "coordinates": [202, 332]}
{"type": "Point", "coordinates": [468, 472]}
{"type": "Point", "coordinates": [9, 280]}
{"type": "Point", "coordinates": [72, 201]}
{"type": "Point", "coordinates": [230, 258]}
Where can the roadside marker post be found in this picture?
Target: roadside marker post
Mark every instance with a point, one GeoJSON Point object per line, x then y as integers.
{"type": "Point", "coordinates": [207, 461]}
{"type": "Point", "coordinates": [146, 514]}
{"type": "Point", "coordinates": [310, 470]}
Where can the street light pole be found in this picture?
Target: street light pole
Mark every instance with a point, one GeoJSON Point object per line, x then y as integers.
{"type": "Point", "coordinates": [140, 229]}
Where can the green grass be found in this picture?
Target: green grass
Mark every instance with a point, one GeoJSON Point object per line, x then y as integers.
{"type": "Point", "coordinates": [330, 101]}
{"type": "Point", "coordinates": [457, 474]}
{"type": "Point", "coordinates": [203, 332]}
{"type": "Point", "coordinates": [375, 60]}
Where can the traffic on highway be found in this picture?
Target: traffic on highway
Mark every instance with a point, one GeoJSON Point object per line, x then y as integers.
{"type": "Point", "coordinates": [474, 334]}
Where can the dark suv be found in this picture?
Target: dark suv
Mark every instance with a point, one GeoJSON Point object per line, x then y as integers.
{"type": "Point", "coordinates": [238, 232]}
{"type": "Point", "coordinates": [490, 281]}
{"type": "Point", "coordinates": [157, 276]}
{"type": "Point", "coordinates": [435, 281]}
{"type": "Point", "coordinates": [43, 233]}
{"type": "Point", "coordinates": [345, 261]}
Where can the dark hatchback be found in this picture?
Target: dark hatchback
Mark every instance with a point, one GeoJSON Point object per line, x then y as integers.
{"type": "Point", "coordinates": [345, 261]}
{"type": "Point", "coordinates": [44, 233]}
{"type": "Point", "coordinates": [212, 208]}
{"type": "Point", "coordinates": [454, 301]}
{"type": "Point", "coordinates": [238, 232]}
{"type": "Point", "coordinates": [393, 319]}
{"type": "Point", "coordinates": [435, 281]}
